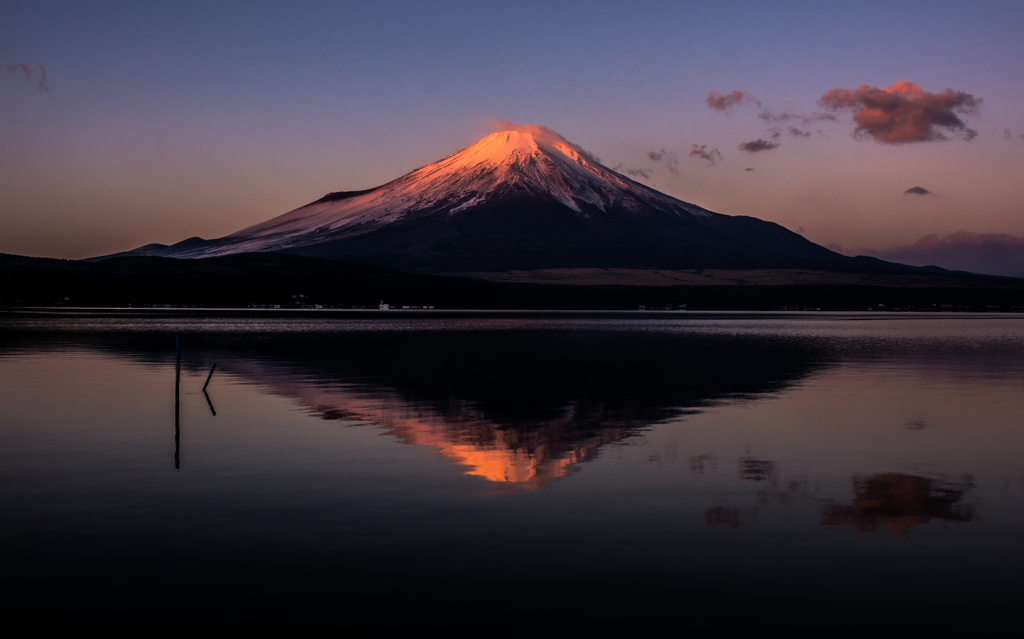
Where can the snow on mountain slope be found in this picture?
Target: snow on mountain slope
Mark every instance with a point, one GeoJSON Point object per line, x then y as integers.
{"type": "Point", "coordinates": [530, 158]}
{"type": "Point", "coordinates": [518, 200]}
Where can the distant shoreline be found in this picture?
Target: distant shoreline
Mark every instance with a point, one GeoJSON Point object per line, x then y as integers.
{"type": "Point", "coordinates": [279, 283]}
{"type": "Point", "coordinates": [397, 314]}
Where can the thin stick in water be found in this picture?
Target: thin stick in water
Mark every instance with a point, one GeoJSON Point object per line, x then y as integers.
{"type": "Point", "coordinates": [208, 377]}
{"type": "Point", "coordinates": [210, 402]}
{"type": "Point", "coordinates": [177, 426]}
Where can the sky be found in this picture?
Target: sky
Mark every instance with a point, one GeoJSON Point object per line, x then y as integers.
{"type": "Point", "coordinates": [126, 123]}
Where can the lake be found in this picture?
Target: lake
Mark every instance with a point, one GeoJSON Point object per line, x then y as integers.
{"type": "Point", "coordinates": [494, 473]}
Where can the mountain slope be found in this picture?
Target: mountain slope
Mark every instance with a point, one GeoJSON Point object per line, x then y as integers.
{"type": "Point", "coordinates": [518, 200]}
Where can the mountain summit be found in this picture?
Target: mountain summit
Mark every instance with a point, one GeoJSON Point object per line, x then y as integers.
{"type": "Point", "coordinates": [519, 199]}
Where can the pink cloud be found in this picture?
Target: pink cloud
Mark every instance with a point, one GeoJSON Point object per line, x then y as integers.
{"type": "Point", "coordinates": [720, 102]}
{"type": "Point", "coordinates": [904, 112]}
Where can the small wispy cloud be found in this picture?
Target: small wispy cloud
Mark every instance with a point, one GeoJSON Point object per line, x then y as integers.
{"type": "Point", "coordinates": [798, 133]}
{"type": "Point", "coordinates": [917, 190]}
{"type": "Point", "coordinates": [789, 116]}
{"type": "Point", "coordinates": [668, 158]}
{"type": "Point", "coordinates": [702, 152]}
{"type": "Point", "coordinates": [725, 101]}
{"type": "Point", "coordinates": [758, 145]}
{"type": "Point", "coordinates": [633, 172]}
{"type": "Point", "coordinates": [32, 73]}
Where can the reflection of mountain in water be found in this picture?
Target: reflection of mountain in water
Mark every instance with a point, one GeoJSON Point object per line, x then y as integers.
{"type": "Point", "coordinates": [899, 502]}
{"type": "Point", "coordinates": [529, 456]}
{"type": "Point", "coordinates": [516, 405]}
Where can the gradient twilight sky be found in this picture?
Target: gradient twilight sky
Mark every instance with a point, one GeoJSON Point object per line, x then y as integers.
{"type": "Point", "coordinates": [200, 118]}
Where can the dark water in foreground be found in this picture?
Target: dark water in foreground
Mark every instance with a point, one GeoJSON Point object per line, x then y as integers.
{"type": "Point", "coordinates": [488, 474]}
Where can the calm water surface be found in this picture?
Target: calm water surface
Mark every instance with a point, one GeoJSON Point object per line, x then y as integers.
{"type": "Point", "coordinates": [492, 474]}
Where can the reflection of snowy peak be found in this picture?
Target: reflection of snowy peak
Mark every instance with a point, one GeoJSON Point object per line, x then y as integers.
{"type": "Point", "coordinates": [518, 199]}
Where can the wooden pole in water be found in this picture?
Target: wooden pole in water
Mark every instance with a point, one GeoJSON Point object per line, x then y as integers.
{"type": "Point", "coordinates": [208, 377]}
{"type": "Point", "coordinates": [177, 386]}
{"type": "Point", "coordinates": [213, 368]}
{"type": "Point", "coordinates": [210, 402]}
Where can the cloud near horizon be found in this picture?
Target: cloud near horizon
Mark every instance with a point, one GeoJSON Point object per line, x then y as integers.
{"type": "Point", "coordinates": [917, 190]}
{"type": "Point", "coordinates": [720, 102]}
{"type": "Point", "coordinates": [987, 253]}
{"type": "Point", "coordinates": [904, 112]}
{"type": "Point", "coordinates": [702, 153]}
{"type": "Point", "coordinates": [28, 71]}
{"type": "Point", "coordinates": [758, 145]}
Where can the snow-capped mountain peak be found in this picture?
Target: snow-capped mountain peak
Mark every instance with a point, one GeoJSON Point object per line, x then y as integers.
{"type": "Point", "coordinates": [521, 198]}
{"type": "Point", "coordinates": [528, 158]}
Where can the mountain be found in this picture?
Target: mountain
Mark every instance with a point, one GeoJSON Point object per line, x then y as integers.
{"type": "Point", "coordinates": [521, 199]}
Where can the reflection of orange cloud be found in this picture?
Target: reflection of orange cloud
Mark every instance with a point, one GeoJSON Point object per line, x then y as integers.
{"type": "Point", "coordinates": [899, 502]}
{"type": "Point", "coordinates": [757, 469]}
{"type": "Point", "coordinates": [699, 462]}
{"type": "Point", "coordinates": [903, 112]}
